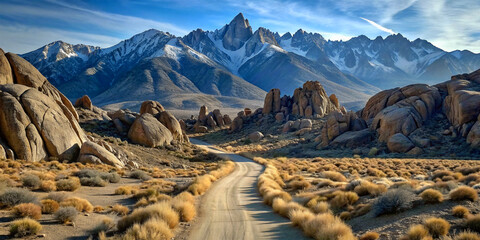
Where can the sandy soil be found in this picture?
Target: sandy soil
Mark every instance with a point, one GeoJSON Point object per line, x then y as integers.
{"type": "Point", "coordinates": [233, 209]}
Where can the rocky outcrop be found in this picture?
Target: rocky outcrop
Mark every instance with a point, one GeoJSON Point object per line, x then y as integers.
{"type": "Point", "coordinates": [148, 131]}
{"type": "Point", "coordinates": [94, 153]}
{"type": "Point", "coordinates": [236, 33]}
{"type": "Point", "coordinates": [32, 111]}
{"type": "Point", "coordinates": [123, 119]}
{"type": "Point", "coordinates": [255, 136]}
{"type": "Point", "coordinates": [84, 102]}
{"type": "Point", "coordinates": [309, 101]}
{"type": "Point", "coordinates": [353, 139]}
{"type": "Point", "coordinates": [399, 143]}
{"type": "Point", "coordinates": [338, 123]}
{"type": "Point", "coordinates": [401, 110]}
{"type": "Point", "coordinates": [208, 120]}
{"type": "Point", "coordinates": [152, 107]}
{"type": "Point", "coordinates": [172, 124]}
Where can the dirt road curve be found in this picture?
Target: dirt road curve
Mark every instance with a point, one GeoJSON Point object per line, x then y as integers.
{"type": "Point", "coordinates": [232, 208]}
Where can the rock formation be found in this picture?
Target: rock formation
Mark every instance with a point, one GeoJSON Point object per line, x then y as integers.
{"type": "Point", "coordinates": [209, 120]}
{"type": "Point", "coordinates": [309, 101]}
{"type": "Point", "coordinates": [84, 102]}
{"type": "Point", "coordinates": [152, 107]}
{"type": "Point", "coordinates": [148, 131]}
{"type": "Point", "coordinates": [338, 123]}
{"type": "Point", "coordinates": [31, 113]}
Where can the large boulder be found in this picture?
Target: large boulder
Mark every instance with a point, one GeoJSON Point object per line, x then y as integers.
{"type": "Point", "coordinates": [462, 106]}
{"type": "Point", "coordinates": [352, 139]}
{"type": "Point", "coordinates": [94, 153]}
{"type": "Point", "coordinates": [32, 111]}
{"type": "Point", "coordinates": [404, 109]}
{"type": "Point", "coordinates": [272, 102]}
{"type": "Point", "coordinates": [202, 115]}
{"type": "Point", "coordinates": [217, 116]}
{"type": "Point", "coordinates": [148, 131]}
{"type": "Point", "coordinates": [255, 136]}
{"type": "Point", "coordinates": [172, 124]}
{"type": "Point", "coordinates": [399, 143]}
{"type": "Point", "coordinates": [152, 107]}
{"type": "Point", "coordinates": [84, 102]}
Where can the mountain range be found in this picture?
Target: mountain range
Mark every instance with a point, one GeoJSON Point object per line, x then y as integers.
{"type": "Point", "coordinates": [232, 67]}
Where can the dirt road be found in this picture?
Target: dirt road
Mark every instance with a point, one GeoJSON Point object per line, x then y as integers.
{"type": "Point", "coordinates": [233, 209]}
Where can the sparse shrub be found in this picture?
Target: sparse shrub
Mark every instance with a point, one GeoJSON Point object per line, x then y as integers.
{"type": "Point", "coordinates": [93, 182]}
{"type": "Point", "coordinates": [120, 209]}
{"type": "Point", "coordinates": [327, 226]}
{"type": "Point", "coordinates": [143, 202]}
{"type": "Point", "coordinates": [186, 210]}
{"type": "Point", "coordinates": [299, 184]}
{"type": "Point", "coordinates": [269, 196]}
{"type": "Point", "coordinates": [80, 204]}
{"type": "Point", "coordinates": [57, 196]}
{"type": "Point", "coordinates": [48, 186]}
{"type": "Point", "coordinates": [185, 196]}
{"type": "Point", "coordinates": [31, 181]}
{"type": "Point", "coordinates": [66, 214]}
{"type": "Point", "coordinates": [70, 184]}
{"type": "Point", "coordinates": [345, 216]}
{"type": "Point", "coordinates": [105, 225]}
{"type": "Point", "coordinates": [369, 236]}
{"type": "Point", "coordinates": [126, 190]}
{"type": "Point", "coordinates": [162, 210]}
{"type": "Point", "coordinates": [393, 201]}
{"type": "Point", "coordinates": [460, 211]}
{"type": "Point", "coordinates": [437, 226]}
{"type": "Point", "coordinates": [343, 199]}
{"type": "Point", "coordinates": [139, 174]}
{"type": "Point", "coordinates": [152, 229]}
{"type": "Point", "coordinates": [49, 206]}
{"type": "Point", "coordinates": [361, 209]}
{"type": "Point", "coordinates": [14, 196]}
{"type": "Point", "coordinates": [373, 152]}
{"type": "Point", "coordinates": [98, 209]}
{"type": "Point", "coordinates": [334, 176]}
{"type": "Point", "coordinates": [466, 235]}
{"type": "Point", "coordinates": [464, 193]}
{"type": "Point", "coordinates": [473, 222]}
{"type": "Point", "coordinates": [321, 207]}
{"type": "Point", "coordinates": [27, 210]}
{"type": "Point", "coordinates": [201, 184]}
{"type": "Point", "coordinates": [417, 232]}
{"type": "Point", "coordinates": [24, 227]}
{"type": "Point", "coordinates": [369, 188]}
{"type": "Point", "coordinates": [432, 196]}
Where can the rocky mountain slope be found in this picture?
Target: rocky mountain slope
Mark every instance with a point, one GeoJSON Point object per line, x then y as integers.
{"type": "Point", "coordinates": [237, 64]}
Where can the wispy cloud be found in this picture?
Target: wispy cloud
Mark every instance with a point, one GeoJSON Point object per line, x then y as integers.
{"type": "Point", "coordinates": [378, 26]}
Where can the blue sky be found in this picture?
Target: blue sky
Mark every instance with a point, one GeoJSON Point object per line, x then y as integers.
{"type": "Point", "coordinates": [27, 25]}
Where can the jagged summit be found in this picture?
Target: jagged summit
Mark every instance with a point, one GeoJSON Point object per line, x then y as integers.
{"type": "Point", "coordinates": [236, 33]}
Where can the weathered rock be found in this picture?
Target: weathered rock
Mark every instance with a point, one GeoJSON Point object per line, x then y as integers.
{"type": "Point", "coordinates": [202, 115]}
{"type": "Point", "coordinates": [247, 111]}
{"type": "Point", "coordinates": [415, 151]}
{"type": "Point", "coordinates": [227, 120]}
{"type": "Point", "coordinates": [84, 102]}
{"type": "Point", "coordinates": [272, 103]}
{"type": "Point", "coordinates": [125, 116]}
{"type": "Point", "coordinates": [183, 125]}
{"type": "Point", "coordinates": [305, 123]}
{"type": "Point", "coordinates": [210, 122]}
{"type": "Point", "coordinates": [6, 76]}
{"type": "Point", "coordinates": [399, 143]}
{"type": "Point", "coordinates": [353, 138]}
{"type": "Point", "coordinates": [152, 107]}
{"type": "Point", "coordinates": [462, 106]}
{"type": "Point", "coordinates": [217, 116]}
{"type": "Point", "coordinates": [90, 149]}
{"type": "Point", "coordinates": [148, 131]}
{"type": "Point", "coordinates": [237, 124]}
{"type": "Point", "coordinates": [201, 129]}
{"type": "Point", "coordinates": [255, 136]}
{"type": "Point", "coordinates": [10, 154]}
{"type": "Point", "coordinates": [279, 117]}
{"type": "Point", "coordinates": [287, 127]}
{"type": "Point", "coordinates": [312, 97]}
{"type": "Point", "coordinates": [3, 155]}
{"type": "Point", "coordinates": [473, 137]}
{"type": "Point", "coordinates": [172, 124]}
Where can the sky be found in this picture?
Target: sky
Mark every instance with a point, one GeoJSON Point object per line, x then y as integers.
{"type": "Point", "coordinates": [26, 25]}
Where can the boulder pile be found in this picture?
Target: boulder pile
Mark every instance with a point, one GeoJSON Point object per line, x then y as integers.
{"type": "Point", "coordinates": [207, 120]}
{"type": "Point", "coordinates": [309, 101]}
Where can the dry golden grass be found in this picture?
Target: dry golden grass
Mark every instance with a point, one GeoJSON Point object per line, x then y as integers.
{"type": "Point", "coordinates": [342, 199]}
{"type": "Point", "coordinates": [24, 227]}
{"type": "Point", "coordinates": [201, 184]}
{"type": "Point", "coordinates": [120, 209]}
{"type": "Point", "coordinates": [126, 190]}
{"type": "Point", "coordinates": [186, 209]}
{"type": "Point", "coordinates": [464, 193]}
{"type": "Point", "coordinates": [437, 227]}
{"type": "Point", "coordinates": [369, 188]}
{"type": "Point", "coordinates": [161, 210]}
{"type": "Point", "coordinates": [48, 186]}
{"type": "Point", "coordinates": [151, 229]}
{"type": "Point", "coordinates": [82, 205]}
{"type": "Point", "coordinates": [345, 216]}
{"type": "Point", "coordinates": [334, 176]}
{"type": "Point", "coordinates": [326, 226]}
{"type": "Point", "coordinates": [460, 211]}
{"type": "Point", "coordinates": [30, 210]}
{"type": "Point", "coordinates": [49, 206]}
{"type": "Point", "coordinates": [473, 222]}
{"type": "Point", "coordinates": [321, 207]}
{"type": "Point", "coordinates": [369, 236]}
{"type": "Point", "coordinates": [466, 235]}
{"type": "Point", "coordinates": [70, 184]}
{"type": "Point", "coordinates": [185, 196]}
{"type": "Point", "coordinates": [98, 209]}
{"type": "Point", "coordinates": [417, 232]}
{"type": "Point", "coordinates": [432, 196]}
